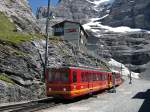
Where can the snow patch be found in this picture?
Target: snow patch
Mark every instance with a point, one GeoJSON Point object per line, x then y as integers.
{"type": "Point", "coordinates": [98, 2]}
{"type": "Point", "coordinates": [116, 67]}
{"type": "Point", "coordinates": [78, 108]}
{"type": "Point", "coordinates": [122, 29]}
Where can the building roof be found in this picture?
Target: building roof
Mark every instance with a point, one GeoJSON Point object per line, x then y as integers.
{"type": "Point", "coordinates": [62, 23]}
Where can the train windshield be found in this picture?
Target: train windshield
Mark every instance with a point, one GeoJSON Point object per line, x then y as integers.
{"type": "Point", "coordinates": [58, 76]}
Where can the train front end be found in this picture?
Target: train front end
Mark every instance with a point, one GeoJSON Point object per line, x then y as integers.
{"type": "Point", "coordinates": [58, 82]}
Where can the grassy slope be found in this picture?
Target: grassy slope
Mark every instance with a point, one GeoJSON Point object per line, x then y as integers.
{"type": "Point", "coordinates": [5, 78]}
{"type": "Point", "coordinates": [8, 33]}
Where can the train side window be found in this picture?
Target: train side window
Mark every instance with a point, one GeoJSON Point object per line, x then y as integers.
{"type": "Point", "coordinates": [64, 77]}
{"type": "Point", "coordinates": [50, 76]}
{"type": "Point", "coordinates": [86, 77]}
{"type": "Point", "coordinates": [104, 77]}
{"type": "Point", "coordinates": [117, 76]}
{"type": "Point", "coordinates": [94, 77]}
{"type": "Point", "coordinates": [100, 76]}
{"type": "Point", "coordinates": [97, 77]}
{"type": "Point", "coordinates": [82, 77]}
{"type": "Point", "coordinates": [74, 76]}
{"type": "Point", "coordinates": [90, 77]}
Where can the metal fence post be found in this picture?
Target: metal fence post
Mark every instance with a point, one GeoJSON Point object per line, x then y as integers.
{"type": "Point", "coordinates": [113, 81]}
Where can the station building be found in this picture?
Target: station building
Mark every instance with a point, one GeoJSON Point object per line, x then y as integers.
{"type": "Point", "coordinates": [72, 32]}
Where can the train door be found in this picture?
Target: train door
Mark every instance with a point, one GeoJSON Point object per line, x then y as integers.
{"type": "Point", "coordinates": [74, 79]}
{"type": "Point", "coordinates": [109, 80]}
{"type": "Point", "coordinates": [90, 83]}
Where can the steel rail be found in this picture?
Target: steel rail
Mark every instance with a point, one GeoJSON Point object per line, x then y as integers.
{"type": "Point", "coordinates": [36, 107]}
{"type": "Point", "coordinates": [30, 106]}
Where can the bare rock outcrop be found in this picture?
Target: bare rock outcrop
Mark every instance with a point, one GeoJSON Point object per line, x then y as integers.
{"type": "Point", "coordinates": [74, 10]}
{"type": "Point", "coordinates": [23, 63]}
{"type": "Point", "coordinates": [21, 14]}
{"type": "Point", "coordinates": [132, 13]}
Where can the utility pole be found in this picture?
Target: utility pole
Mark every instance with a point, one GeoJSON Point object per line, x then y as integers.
{"type": "Point", "coordinates": [132, 5]}
{"type": "Point", "coordinates": [102, 48]}
{"type": "Point", "coordinates": [47, 38]}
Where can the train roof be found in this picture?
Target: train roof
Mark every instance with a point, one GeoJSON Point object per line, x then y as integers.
{"type": "Point", "coordinates": [82, 67]}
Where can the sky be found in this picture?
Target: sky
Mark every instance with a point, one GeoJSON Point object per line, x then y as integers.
{"type": "Point", "coordinates": [38, 3]}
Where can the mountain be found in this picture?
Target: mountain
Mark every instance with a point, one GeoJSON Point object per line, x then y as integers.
{"type": "Point", "coordinates": [22, 46]}
{"type": "Point", "coordinates": [119, 28]}
{"type": "Point", "coordinates": [76, 10]}
{"type": "Point", "coordinates": [132, 13]}
{"type": "Point", "coordinates": [82, 10]}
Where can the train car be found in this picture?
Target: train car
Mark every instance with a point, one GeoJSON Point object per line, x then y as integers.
{"type": "Point", "coordinates": [69, 82]}
{"type": "Point", "coordinates": [118, 79]}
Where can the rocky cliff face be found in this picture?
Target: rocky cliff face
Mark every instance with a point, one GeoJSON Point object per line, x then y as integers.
{"type": "Point", "coordinates": [132, 13]}
{"type": "Point", "coordinates": [20, 13]}
{"type": "Point", "coordinates": [77, 10]}
{"type": "Point", "coordinates": [23, 65]}
{"type": "Point", "coordinates": [18, 67]}
{"type": "Point", "coordinates": [20, 63]}
{"type": "Point", "coordinates": [130, 48]}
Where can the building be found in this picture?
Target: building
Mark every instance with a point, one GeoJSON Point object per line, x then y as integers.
{"type": "Point", "coordinates": [72, 32]}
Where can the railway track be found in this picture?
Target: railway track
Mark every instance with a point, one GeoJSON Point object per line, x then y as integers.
{"type": "Point", "coordinates": [40, 104]}
{"type": "Point", "coordinates": [31, 106]}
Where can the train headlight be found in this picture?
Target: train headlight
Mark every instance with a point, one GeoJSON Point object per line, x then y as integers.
{"type": "Point", "coordinates": [50, 89]}
{"type": "Point", "coordinates": [74, 86]}
{"type": "Point", "coordinates": [64, 89]}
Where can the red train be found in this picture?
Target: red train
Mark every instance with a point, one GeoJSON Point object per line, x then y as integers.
{"type": "Point", "coordinates": [70, 82]}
